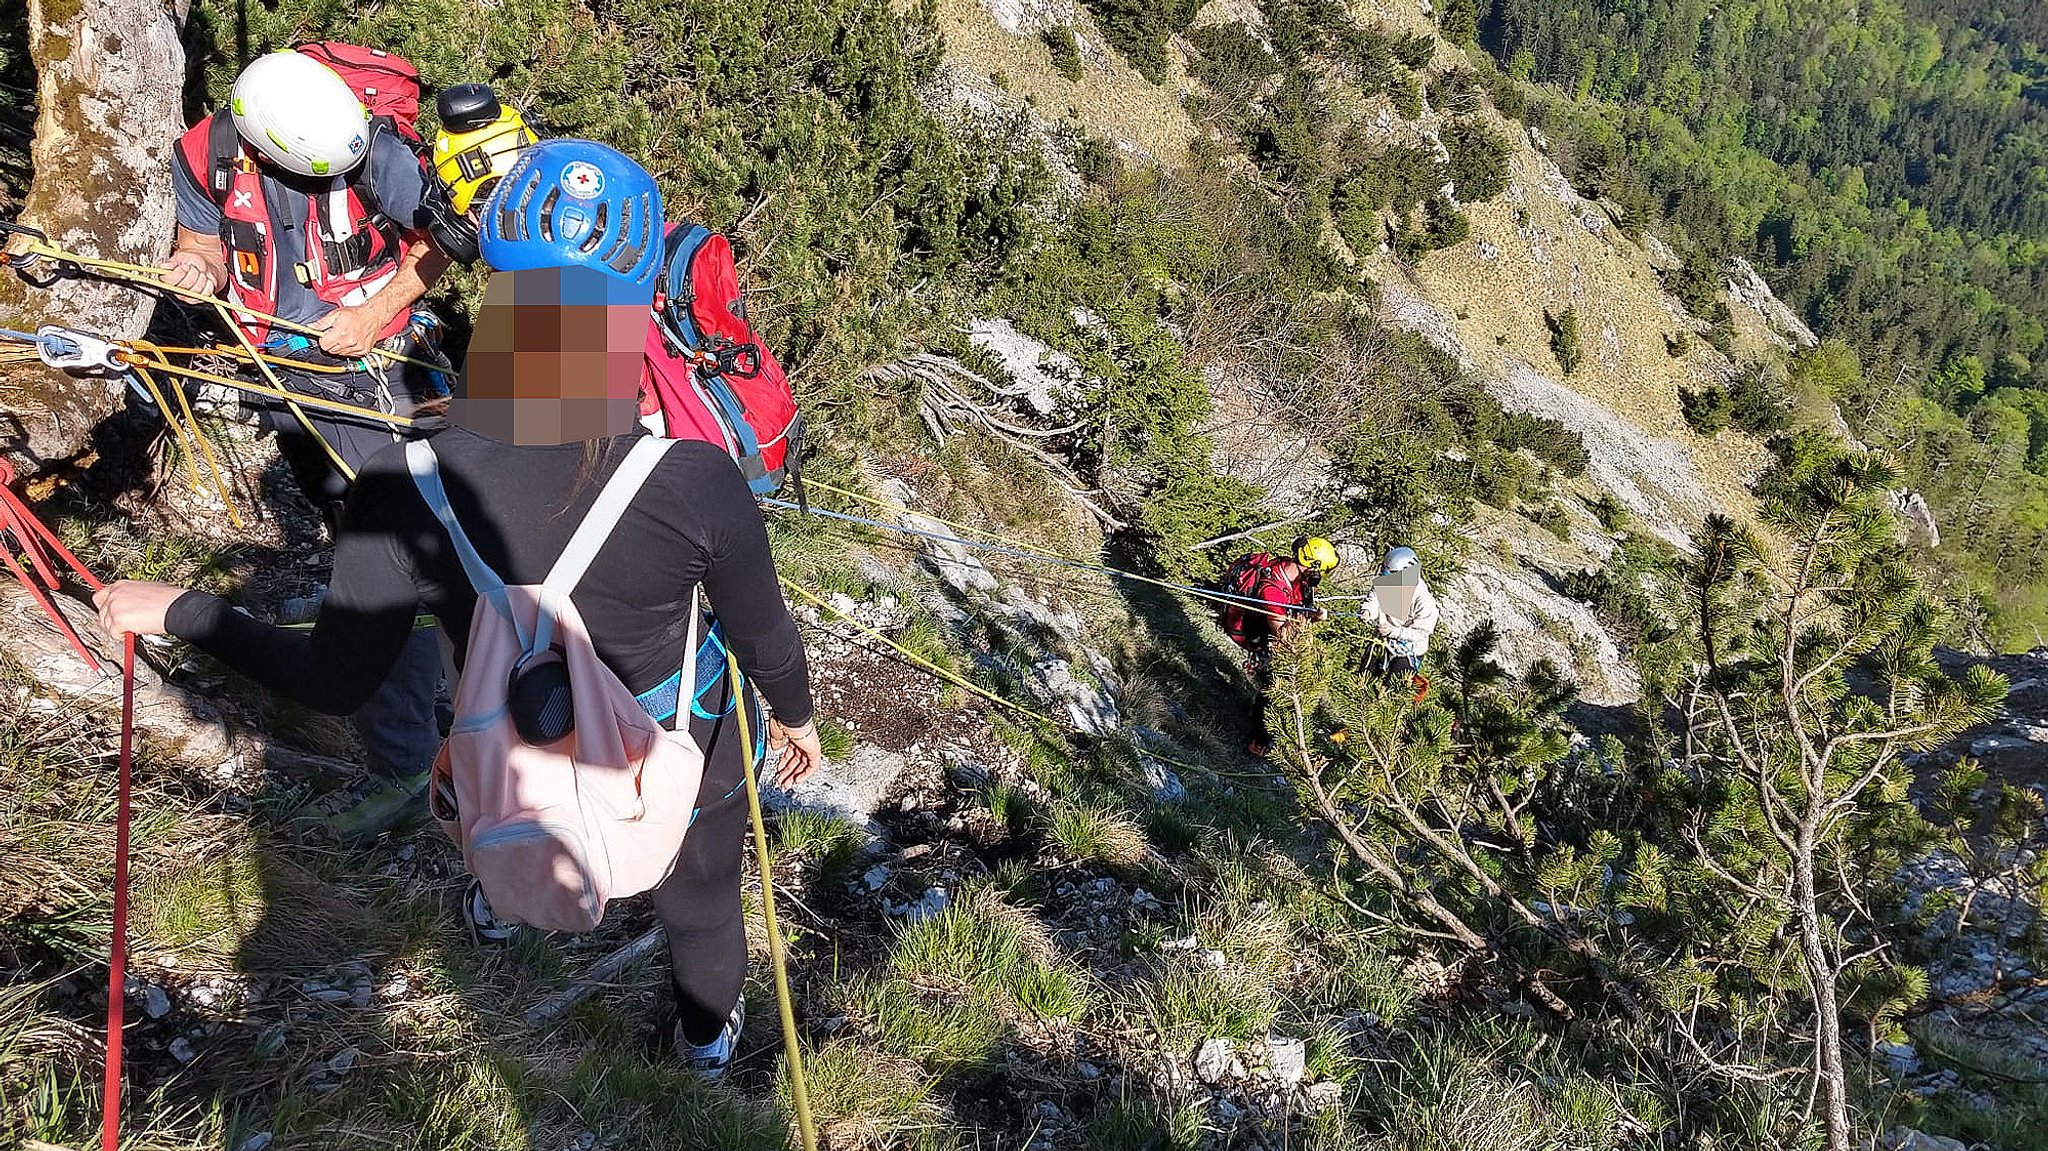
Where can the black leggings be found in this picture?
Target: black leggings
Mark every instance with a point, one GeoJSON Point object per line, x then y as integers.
{"type": "Point", "coordinates": [699, 903]}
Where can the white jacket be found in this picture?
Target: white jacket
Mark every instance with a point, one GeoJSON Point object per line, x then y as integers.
{"type": "Point", "coordinates": [1408, 636]}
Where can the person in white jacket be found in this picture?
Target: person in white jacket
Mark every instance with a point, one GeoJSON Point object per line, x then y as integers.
{"type": "Point", "coordinates": [1404, 613]}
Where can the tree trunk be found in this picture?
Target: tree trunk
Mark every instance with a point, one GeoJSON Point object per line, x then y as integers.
{"type": "Point", "coordinates": [1827, 1014]}
{"type": "Point", "coordinates": [109, 104]}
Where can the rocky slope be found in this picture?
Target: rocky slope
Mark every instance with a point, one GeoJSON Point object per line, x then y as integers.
{"type": "Point", "coordinates": [1538, 249]}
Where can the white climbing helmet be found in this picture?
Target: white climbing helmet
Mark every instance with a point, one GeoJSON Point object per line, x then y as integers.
{"type": "Point", "coordinates": [1399, 559]}
{"type": "Point", "coordinates": [300, 114]}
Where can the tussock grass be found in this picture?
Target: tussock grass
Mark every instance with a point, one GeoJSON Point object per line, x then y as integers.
{"type": "Point", "coordinates": [994, 954]}
{"type": "Point", "coordinates": [944, 1033]}
{"type": "Point", "coordinates": [655, 1098]}
{"type": "Point", "coordinates": [820, 560]}
{"type": "Point", "coordinates": [1485, 1086]}
{"type": "Point", "coordinates": [1138, 1124]}
{"type": "Point", "coordinates": [824, 840]}
{"type": "Point", "coordinates": [864, 1098]}
{"type": "Point", "coordinates": [203, 907]}
{"type": "Point", "coordinates": [2018, 1120]}
{"type": "Point", "coordinates": [836, 739]}
{"type": "Point", "coordinates": [1092, 834]}
{"type": "Point", "coordinates": [1189, 1000]}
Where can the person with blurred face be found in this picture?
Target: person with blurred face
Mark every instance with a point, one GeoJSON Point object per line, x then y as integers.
{"type": "Point", "coordinates": [544, 413]}
{"type": "Point", "coordinates": [1403, 612]}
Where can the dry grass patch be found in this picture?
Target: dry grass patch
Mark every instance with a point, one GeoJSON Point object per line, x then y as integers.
{"type": "Point", "coordinates": [1110, 97]}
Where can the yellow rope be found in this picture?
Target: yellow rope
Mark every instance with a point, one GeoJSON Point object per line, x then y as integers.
{"type": "Point", "coordinates": [984, 534]}
{"type": "Point", "coordinates": [931, 668]}
{"type": "Point", "coordinates": [262, 390]}
{"type": "Point", "coordinates": [154, 278]}
{"type": "Point", "coordinates": [916, 659]}
{"type": "Point", "coordinates": [291, 403]}
{"type": "Point", "coordinates": [238, 353]}
{"type": "Point", "coordinates": [197, 435]}
{"type": "Point", "coordinates": [885, 505]}
{"type": "Point", "coordinates": [798, 1091]}
{"type": "Point", "coordinates": [163, 405]}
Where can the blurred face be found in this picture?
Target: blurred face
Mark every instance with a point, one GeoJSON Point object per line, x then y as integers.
{"type": "Point", "coordinates": [556, 357]}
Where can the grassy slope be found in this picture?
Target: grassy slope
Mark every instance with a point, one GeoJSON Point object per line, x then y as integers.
{"type": "Point", "coordinates": [1052, 1002]}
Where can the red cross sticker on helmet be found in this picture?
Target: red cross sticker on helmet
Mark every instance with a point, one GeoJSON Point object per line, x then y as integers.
{"type": "Point", "coordinates": [583, 180]}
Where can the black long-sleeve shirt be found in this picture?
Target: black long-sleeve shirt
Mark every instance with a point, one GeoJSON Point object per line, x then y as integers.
{"type": "Point", "coordinates": [694, 522]}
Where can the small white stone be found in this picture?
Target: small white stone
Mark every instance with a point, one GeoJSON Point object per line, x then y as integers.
{"type": "Point", "coordinates": [155, 1003]}
{"type": "Point", "coordinates": [343, 1061]}
{"type": "Point", "coordinates": [181, 1050]}
{"type": "Point", "coordinates": [256, 1142]}
{"type": "Point", "coordinates": [1286, 1059]}
{"type": "Point", "coordinates": [1213, 1060]}
{"type": "Point", "coordinates": [1324, 1096]}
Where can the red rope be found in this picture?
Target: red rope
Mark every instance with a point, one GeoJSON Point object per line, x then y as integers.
{"type": "Point", "coordinates": [117, 965]}
{"type": "Point", "coordinates": [36, 544]}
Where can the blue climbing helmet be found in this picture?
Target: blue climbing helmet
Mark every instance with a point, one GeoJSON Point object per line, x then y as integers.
{"type": "Point", "coordinates": [1399, 559]}
{"type": "Point", "coordinates": [576, 203]}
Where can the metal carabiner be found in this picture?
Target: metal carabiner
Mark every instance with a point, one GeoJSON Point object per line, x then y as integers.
{"type": "Point", "coordinates": [15, 252]}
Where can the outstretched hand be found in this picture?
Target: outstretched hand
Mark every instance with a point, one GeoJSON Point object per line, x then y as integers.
{"type": "Point", "coordinates": [802, 752]}
{"type": "Point", "coordinates": [133, 605]}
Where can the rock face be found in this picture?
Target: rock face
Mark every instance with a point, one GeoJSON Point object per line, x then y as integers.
{"type": "Point", "coordinates": [1916, 518]}
{"type": "Point", "coordinates": [1050, 377]}
{"type": "Point", "coordinates": [1537, 623]}
{"type": "Point", "coordinates": [1748, 288]}
{"type": "Point", "coordinates": [110, 78]}
{"type": "Point", "coordinates": [1656, 479]}
{"type": "Point", "coordinates": [1030, 17]}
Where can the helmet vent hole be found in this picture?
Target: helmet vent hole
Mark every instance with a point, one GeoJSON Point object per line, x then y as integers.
{"type": "Point", "coordinates": [625, 257]}
{"type": "Point", "coordinates": [547, 214]}
{"type": "Point", "coordinates": [620, 234]}
{"type": "Point", "coordinates": [596, 236]}
{"type": "Point", "coordinates": [512, 209]}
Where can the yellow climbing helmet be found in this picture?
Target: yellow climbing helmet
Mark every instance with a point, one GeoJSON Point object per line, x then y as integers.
{"type": "Point", "coordinates": [479, 140]}
{"type": "Point", "coordinates": [1314, 553]}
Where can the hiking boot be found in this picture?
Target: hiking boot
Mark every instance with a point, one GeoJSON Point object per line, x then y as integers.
{"type": "Point", "coordinates": [1258, 747]}
{"type": "Point", "coordinates": [370, 807]}
{"type": "Point", "coordinates": [483, 923]}
{"type": "Point", "coordinates": [711, 1060]}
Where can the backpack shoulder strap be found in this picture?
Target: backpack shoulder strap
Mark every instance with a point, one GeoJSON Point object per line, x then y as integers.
{"type": "Point", "coordinates": [223, 148]}
{"type": "Point", "coordinates": [595, 529]}
{"type": "Point", "coordinates": [604, 515]}
{"type": "Point", "coordinates": [426, 476]}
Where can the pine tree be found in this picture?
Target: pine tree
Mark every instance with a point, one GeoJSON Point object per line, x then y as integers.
{"type": "Point", "coordinates": [1802, 769]}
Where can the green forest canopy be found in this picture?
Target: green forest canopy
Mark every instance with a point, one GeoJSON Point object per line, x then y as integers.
{"type": "Point", "coordinates": [1887, 162]}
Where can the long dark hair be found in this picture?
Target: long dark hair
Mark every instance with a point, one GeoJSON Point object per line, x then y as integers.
{"type": "Point", "coordinates": [595, 452]}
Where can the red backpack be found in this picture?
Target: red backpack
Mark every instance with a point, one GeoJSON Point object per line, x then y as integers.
{"type": "Point", "coordinates": [388, 83]}
{"type": "Point", "coordinates": [708, 376]}
{"type": "Point", "coordinates": [1249, 578]}
{"type": "Point", "coordinates": [352, 246]}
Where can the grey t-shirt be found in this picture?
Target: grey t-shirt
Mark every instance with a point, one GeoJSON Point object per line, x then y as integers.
{"type": "Point", "coordinates": [394, 174]}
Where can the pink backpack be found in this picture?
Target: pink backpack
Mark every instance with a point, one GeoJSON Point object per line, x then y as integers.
{"type": "Point", "coordinates": [555, 832]}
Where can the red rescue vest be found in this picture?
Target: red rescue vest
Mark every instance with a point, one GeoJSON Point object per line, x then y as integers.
{"type": "Point", "coordinates": [351, 250]}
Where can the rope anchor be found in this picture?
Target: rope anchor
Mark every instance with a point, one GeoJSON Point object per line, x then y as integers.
{"type": "Point", "coordinates": [71, 350]}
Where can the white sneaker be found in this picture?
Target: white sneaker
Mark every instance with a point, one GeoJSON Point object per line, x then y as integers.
{"type": "Point", "coordinates": [711, 1060]}
{"type": "Point", "coordinates": [482, 922]}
